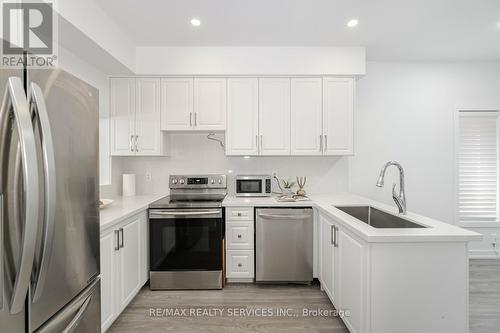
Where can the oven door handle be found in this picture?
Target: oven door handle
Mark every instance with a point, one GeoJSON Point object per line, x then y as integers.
{"type": "Point", "coordinates": [159, 214]}
{"type": "Point", "coordinates": [188, 213]}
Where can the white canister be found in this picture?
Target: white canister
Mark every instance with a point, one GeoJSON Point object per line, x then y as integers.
{"type": "Point", "coordinates": [128, 185]}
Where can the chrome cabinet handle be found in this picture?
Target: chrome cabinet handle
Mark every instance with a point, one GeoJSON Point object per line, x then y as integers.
{"type": "Point", "coordinates": [136, 143]}
{"type": "Point", "coordinates": [239, 236]}
{"type": "Point", "coordinates": [123, 241]}
{"type": "Point", "coordinates": [190, 119]}
{"type": "Point", "coordinates": [261, 147]}
{"type": "Point", "coordinates": [15, 103]}
{"type": "Point", "coordinates": [78, 316]}
{"type": "Point", "coordinates": [39, 110]}
{"type": "Point", "coordinates": [321, 143]}
{"type": "Point", "coordinates": [326, 143]}
{"type": "Point", "coordinates": [332, 237]}
{"type": "Point", "coordinates": [335, 237]}
{"type": "Point", "coordinates": [117, 240]}
{"type": "Point", "coordinates": [239, 265]}
{"type": "Point", "coordinates": [131, 143]}
{"type": "Point", "coordinates": [195, 121]}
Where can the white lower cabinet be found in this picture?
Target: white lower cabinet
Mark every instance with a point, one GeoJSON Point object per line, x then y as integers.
{"type": "Point", "coordinates": [240, 264]}
{"type": "Point", "coordinates": [123, 266]}
{"type": "Point", "coordinates": [327, 257]}
{"type": "Point", "coordinates": [239, 242]}
{"type": "Point", "coordinates": [352, 276]}
{"type": "Point", "coordinates": [343, 272]}
{"type": "Point", "coordinates": [108, 258]}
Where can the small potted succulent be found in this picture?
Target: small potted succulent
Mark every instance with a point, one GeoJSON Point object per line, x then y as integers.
{"type": "Point", "coordinates": [287, 186]}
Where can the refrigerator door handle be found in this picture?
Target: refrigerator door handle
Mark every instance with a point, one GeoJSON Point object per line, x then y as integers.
{"type": "Point", "coordinates": [1, 252]}
{"type": "Point", "coordinates": [15, 100]}
{"type": "Point", "coordinates": [78, 316]}
{"type": "Point", "coordinates": [39, 110]}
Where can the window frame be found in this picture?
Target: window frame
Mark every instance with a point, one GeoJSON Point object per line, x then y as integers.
{"type": "Point", "coordinates": [456, 147]}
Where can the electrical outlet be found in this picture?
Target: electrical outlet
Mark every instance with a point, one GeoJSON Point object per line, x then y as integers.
{"type": "Point", "coordinates": [148, 176]}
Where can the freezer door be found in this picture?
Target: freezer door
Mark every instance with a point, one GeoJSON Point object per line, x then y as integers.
{"type": "Point", "coordinates": [67, 257]}
{"type": "Point", "coordinates": [82, 315]}
{"type": "Point", "coordinates": [284, 245]}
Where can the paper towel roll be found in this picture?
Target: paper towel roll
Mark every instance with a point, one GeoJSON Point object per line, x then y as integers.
{"type": "Point", "coordinates": [128, 185]}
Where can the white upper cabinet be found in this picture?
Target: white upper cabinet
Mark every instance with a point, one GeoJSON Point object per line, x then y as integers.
{"type": "Point", "coordinates": [210, 104]}
{"type": "Point", "coordinates": [306, 116]}
{"type": "Point", "coordinates": [135, 117]}
{"type": "Point", "coordinates": [122, 113]}
{"type": "Point", "coordinates": [177, 104]}
{"type": "Point", "coordinates": [338, 112]}
{"type": "Point", "coordinates": [274, 116]}
{"type": "Point", "coordinates": [242, 116]}
{"type": "Point", "coordinates": [189, 104]}
{"type": "Point", "coordinates": [309, 116]}
{"type": "Point", "coordinates": [147, 117]}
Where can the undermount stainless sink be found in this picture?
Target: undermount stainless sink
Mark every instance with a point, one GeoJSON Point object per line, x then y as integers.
{"type": "Point", "coordinates": [377, 218]}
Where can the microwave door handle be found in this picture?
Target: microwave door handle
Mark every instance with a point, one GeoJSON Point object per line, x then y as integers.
{"type": "Point", "coordinates": [15, 100]}
{"type": "Point", "coordinates": [39, 110]}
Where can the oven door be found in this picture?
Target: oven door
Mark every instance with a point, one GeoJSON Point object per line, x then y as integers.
{"type": "Point", "coordinates": [186, 239]}
{"type": "Point", "coordinates": [249, 187]}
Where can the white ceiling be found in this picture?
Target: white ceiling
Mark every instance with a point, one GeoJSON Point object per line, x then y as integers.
{"type": "Point", "coordinates": [390, 29]}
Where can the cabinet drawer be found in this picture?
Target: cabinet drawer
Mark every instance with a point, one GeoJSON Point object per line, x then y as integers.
{"type": "Point", "coordinates": [239, 235]}
{"type": "Point", "coordinates": [240, 264]}
{"type": "Point", "coordinates": [239, 213]}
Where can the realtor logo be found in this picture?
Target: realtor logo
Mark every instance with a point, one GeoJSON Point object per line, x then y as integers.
{"type": "Point", "coordinates": [28, 28]}
{"type": "Point", "coordinates": [30, 25]}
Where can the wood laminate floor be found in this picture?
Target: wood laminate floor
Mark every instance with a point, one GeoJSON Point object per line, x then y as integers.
{"type": "Point", "coordinates": [243, 299]}
{"type": "Point", "coordinates": [484, 296]}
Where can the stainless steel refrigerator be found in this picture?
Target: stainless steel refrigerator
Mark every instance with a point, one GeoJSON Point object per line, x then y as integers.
{"type": "Point", "coordinates": [49, 218]}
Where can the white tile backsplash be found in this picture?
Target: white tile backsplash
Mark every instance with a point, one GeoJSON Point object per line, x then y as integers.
{"type": "Point", "coordinates": [193, 153]}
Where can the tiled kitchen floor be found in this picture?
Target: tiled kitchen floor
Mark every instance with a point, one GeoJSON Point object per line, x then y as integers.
{"type": "Point", "coordinates": [484, 308]}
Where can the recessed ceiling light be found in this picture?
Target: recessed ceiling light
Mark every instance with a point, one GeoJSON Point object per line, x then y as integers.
{"type": "Point", "coordinates": [246, 157]}
{"type": "Point", "coordinates": [352, 23]}
{"type": "Point", "coordinates": [196, 22]}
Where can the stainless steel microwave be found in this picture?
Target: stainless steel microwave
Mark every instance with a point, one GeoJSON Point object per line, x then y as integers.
{"type": "Point", "coordinates": [253, 185]}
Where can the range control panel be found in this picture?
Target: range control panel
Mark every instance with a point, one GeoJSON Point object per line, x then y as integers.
{"type": "Point", "coordinates": [197, 181]}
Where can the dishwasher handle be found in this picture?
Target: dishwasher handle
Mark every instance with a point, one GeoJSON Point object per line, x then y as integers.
{"type": "Point", "coordinates": [283, 216]}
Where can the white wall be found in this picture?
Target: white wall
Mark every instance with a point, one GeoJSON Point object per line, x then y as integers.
{"type": "Point", "coordinates": [88, 17]}
{"type": "Point", "coordinates": [251, 60]}
{"type": "Point", "coordinates": [405, 112]}
{"type": "Point", "coordinates": [193, 153]}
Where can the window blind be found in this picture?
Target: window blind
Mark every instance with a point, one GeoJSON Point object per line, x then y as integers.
{"type": "Point", "coordinates": [478, 166]}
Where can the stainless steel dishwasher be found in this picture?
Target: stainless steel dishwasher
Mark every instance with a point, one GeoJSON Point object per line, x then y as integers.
{"type": "Point", "coordinates": [284, 245]}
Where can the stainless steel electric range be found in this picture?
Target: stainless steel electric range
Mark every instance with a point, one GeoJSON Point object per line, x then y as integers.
{"type": "Point", "coordinates": [186, 232]}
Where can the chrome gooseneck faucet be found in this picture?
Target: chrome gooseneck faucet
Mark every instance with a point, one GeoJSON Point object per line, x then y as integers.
{"type": "Point", "coordinates": [400, 199]}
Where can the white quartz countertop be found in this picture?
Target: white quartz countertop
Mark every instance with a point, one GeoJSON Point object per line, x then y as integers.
{"type": "Point", "coordinates": [124, 207]}
{"type": "Point", "coordinates": [436, 231]}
